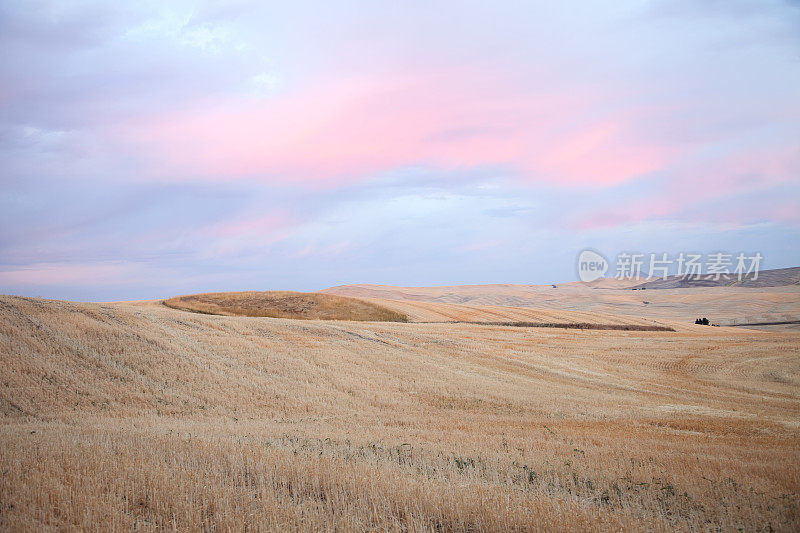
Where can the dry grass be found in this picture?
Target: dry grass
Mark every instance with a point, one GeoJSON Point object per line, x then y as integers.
{"type": "Point", "coordinates": [285, 304]}
{"type": "Point", "coordinates": [722, 305]}
{"type": "Point", "coordinates": [122, 416]}
{"type": "Point", "coordinates": [420, 311]}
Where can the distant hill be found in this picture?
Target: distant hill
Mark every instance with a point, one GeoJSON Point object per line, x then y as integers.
{"type": "Point", "coordinates": [779, 277]}
{"type": "Point", "coordinates": [319, 306]}
{"type": "Point", "coordinates": [773, 298]}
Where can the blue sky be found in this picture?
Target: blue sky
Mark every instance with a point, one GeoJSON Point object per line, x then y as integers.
{"type": "Point", "coordinates": [157, 148]}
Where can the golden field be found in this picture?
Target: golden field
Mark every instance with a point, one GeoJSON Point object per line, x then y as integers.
{"type": "Point", "coordinates": [722, 305]}
{"type": "Point", "coordinates": [136, 416]}
{"type": "Point", "coordinates": [321, 306]}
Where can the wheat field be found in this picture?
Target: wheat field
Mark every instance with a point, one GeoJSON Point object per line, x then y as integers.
{"type": "Point", "coordinates": [722, 305]}
{"type": "Point", "coordinates": [285, 304]}
{"type": "Point", "coordinates": [135, 416]}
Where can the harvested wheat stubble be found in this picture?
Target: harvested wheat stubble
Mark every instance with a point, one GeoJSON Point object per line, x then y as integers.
{"type": "Point", "coordinates": [746, 304]}
{"type": "Point", "coordinates": [137, 416]}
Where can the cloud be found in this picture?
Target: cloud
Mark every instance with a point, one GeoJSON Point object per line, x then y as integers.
{"type": "Point", "coordinates": [218, 145]}
{"type": "Point", "coordinates": [102, 273]}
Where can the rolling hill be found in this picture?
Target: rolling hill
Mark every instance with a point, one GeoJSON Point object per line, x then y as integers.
{"type": "Point", "coordinates": [724, 305]}
{"type": "Point", "coordinates": [320, 306]}
{"type": "Point", "coordinates": [781, 277]}
{"type": "Point", "coordinates": [285, 304]}
{"type": "Point", "coordinates": [139, 416]}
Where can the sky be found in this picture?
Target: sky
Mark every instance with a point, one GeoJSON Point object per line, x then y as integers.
{"type": "Point", "coordinates": [149, 149]}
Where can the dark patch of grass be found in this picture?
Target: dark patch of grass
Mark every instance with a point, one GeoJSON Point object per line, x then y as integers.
{"type": "Point", "coordinates": [285, 304]}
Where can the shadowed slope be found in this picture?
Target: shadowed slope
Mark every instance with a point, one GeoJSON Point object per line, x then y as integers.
{"type": "Point", "coordinates": [285, 304]}
{"type": "Point", "coordinates": [780, 277]}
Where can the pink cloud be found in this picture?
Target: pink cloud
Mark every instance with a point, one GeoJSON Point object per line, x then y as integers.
{"type": "Point", "coordinates": [631, 212]}
{"type": "Point", "coordinates": [602, 153]}
{"type": "Point", "coordinates": [249, 226]}
{"type": "Point", "coordinates": [250, 232]}
{"type": "Point", "coordinates": [344, 131]}
{"type": "Point", "coordinates": [721, 191]}
{"type": "Point", "coordinates": [690, 211]}
{"type": "Point", "coordinates": [99, 273]}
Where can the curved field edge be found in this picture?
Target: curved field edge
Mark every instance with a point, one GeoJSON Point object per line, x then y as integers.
{"type": "Point", "coordinates": [285, 304]}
